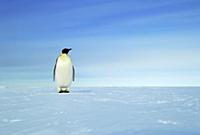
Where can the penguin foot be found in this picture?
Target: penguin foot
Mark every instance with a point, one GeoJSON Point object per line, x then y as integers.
{"type": "Point", "coordinates": [63, 91]}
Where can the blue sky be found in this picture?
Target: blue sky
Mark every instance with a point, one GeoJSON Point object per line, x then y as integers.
{"type": "Point", "coordinates": [115, 42]}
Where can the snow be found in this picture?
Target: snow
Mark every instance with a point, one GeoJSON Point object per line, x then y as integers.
{"type": "Point", "coordinates": [100, 111]}
{"type": "Point", "coordinates": [167, 122]}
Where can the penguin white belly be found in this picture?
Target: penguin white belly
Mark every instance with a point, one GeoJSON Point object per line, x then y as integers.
{"type": "Point", "coordinates": [64, 73]}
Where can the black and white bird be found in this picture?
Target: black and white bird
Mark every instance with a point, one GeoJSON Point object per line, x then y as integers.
{"type": "Point", "coordinates": [64, 72]}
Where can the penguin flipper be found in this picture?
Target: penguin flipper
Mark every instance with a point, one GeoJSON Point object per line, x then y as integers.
{"type": "Point", "coordinates": [54, 70]}
{"type": "Point", "coordinates": [73, 73]}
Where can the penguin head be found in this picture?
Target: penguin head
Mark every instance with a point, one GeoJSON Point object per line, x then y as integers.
{"type": "Point", "coordinates": [66, 50]}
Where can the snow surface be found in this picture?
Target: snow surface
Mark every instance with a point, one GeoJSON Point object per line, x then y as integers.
{"type": "Point", "coordinates": [100, 111]}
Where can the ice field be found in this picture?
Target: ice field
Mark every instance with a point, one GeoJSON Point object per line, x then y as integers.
{"type": "Point", "coordinates": [100, 111]}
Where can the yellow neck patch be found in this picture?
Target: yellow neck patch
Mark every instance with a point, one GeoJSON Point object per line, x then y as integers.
{"type": "Point", "coordinates": [63, 56]}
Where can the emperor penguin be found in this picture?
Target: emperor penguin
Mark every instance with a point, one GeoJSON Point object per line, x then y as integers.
{"type": "Point", "coordinates": [64, 72]}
